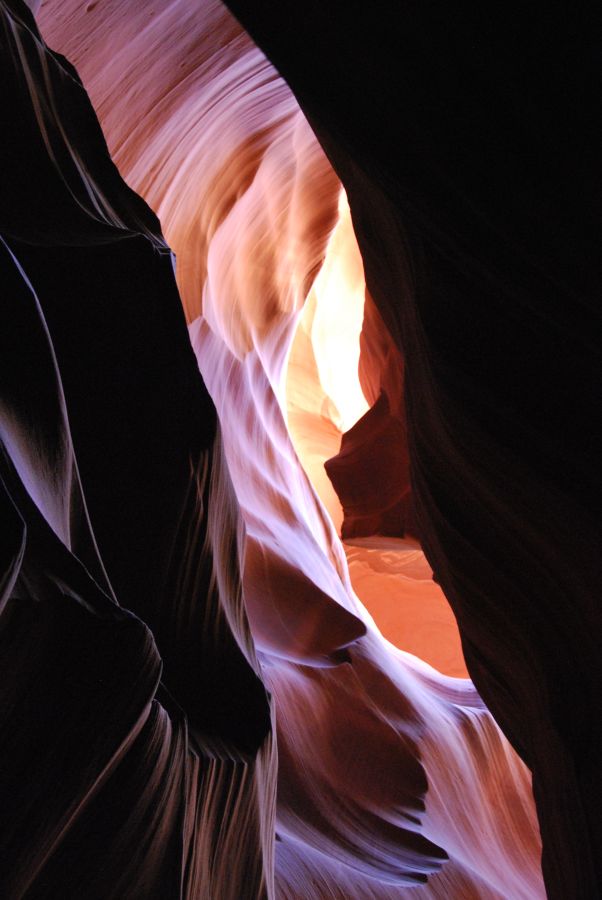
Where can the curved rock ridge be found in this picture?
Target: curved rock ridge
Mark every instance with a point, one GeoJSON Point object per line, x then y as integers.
{"type": "Point", "coordinates": [392, 777]}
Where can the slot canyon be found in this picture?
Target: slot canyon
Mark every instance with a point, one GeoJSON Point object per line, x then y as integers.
{"type": "Point", "coordinates": [299, 458]}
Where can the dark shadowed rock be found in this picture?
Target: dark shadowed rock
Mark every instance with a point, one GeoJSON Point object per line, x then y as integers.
{"type": "Point", "coordinates": [134, 724]}
{"type": "Point", "coordinates": [464, 142]}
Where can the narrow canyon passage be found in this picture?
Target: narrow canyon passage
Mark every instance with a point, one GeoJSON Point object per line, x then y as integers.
{"type": "Point", "coordinates": [272, 283]}
{"type": "Point", "coordinates": [214, 464]}
{"type": "Point", "coordinates": [324, 400]}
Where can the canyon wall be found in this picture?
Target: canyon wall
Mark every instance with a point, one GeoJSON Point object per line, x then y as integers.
{"type": "Point", "coordinates": [222, 716]}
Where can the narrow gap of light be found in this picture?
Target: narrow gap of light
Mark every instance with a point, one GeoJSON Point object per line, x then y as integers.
{"type": "Point", "coordinates": [337, 322]}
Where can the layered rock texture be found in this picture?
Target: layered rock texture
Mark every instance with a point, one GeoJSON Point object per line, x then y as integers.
{"type": "Point", "coordinates": [375, 325]}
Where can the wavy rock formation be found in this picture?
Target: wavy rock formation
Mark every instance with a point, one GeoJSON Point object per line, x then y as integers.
{"type": "Point", "coordinates": [134, 723]}
{"type": "Point", "coordinates": [175, 588]}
